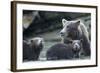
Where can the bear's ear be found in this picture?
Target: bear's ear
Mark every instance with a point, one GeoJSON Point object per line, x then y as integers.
{"type": "Point", "coordinates": [64, 21]}
{"type": "Point", "coordinates": [77, 23]}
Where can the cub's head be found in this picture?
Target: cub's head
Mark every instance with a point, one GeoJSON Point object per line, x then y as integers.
{"type": "Point", "coordinates": [77, 48]}
{"type": "Point", "coordinates": [37, 42]}
{"type": "Point", "coordinates": [70, 28]}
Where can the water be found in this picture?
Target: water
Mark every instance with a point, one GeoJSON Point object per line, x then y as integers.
{"type": "Point", "coordinates": [50, 38]}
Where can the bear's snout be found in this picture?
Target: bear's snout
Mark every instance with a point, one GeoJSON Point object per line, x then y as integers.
{"type": "Point", "coordinates": [61, 33]}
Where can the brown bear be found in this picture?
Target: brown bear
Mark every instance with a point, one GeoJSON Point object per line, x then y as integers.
{"type": "Point", "coordinates": [76, 30]}
{"type": "Point", "coordinates": [32, 49]}
{"type": "Point", "coordinates": [61, 51]}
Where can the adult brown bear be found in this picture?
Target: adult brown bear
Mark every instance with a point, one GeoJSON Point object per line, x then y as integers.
{"type": "Point", "coordinates": [76, 30]}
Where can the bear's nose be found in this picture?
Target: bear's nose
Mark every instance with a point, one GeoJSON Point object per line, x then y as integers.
{"type": "Point", "coordinates": [61, 33]}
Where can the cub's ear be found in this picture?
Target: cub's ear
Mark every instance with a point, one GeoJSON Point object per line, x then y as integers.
{"type": "Point", "coordinates": [77, 23]}
{"type": "Point", "coordinates": [64, 21]}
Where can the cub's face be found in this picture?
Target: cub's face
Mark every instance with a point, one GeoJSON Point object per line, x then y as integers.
{"type": "Point", "coordinates": [70, 28]}
{"type": "Point", "coordinates": [77, 45]}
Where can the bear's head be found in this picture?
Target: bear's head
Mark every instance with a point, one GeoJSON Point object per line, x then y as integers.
{"type": "Point", "coordinates": [70, 29]}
